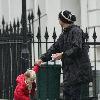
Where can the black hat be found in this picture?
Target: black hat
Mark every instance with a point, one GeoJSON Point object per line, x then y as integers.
{"type": "Point", "coordinates": [67, 17]}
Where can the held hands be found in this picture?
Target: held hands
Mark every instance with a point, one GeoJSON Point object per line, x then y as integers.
{"type": "Point", "coordinates": [38, 62]}
{"type": "Point", "coordinates": [57, 56]}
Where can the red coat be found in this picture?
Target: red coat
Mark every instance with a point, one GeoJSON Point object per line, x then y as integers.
{"type": "Point", "coordinates": [21, 91]}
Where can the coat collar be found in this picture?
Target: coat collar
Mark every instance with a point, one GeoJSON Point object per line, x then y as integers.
{"type": "Point", "coordinates": [68, 28]}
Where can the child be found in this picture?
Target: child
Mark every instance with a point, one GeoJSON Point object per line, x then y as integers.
{"type": "Point", "coordinates": [26, 85]}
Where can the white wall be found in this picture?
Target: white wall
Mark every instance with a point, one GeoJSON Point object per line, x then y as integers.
{"type": "Point", "coordinates": [15, 9]}
{"type": "Point", "coordinates": [5, 9]}
{"type": "Point", "coordinates": [53, 8]}
{"type": "Point", "coordinates": [93, 20]}
{"type": "Point", "coordinates": [10, 9]}
{"type": "Point", "coordinates": [94, 12]}
{"type": "Point", "coordinates": [90, 17]}
{"type": "Point", "coordinates": [84, 15]}
{"type": "Point", "coordinates": [29, 4]}
{"type": "Point", "coordinates": [42, 6]}
{"type": "Point", "coordinates": [0, 12]}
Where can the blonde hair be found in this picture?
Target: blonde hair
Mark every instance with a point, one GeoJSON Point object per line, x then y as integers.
{"type": "Point", "coordinates": [30, 74]}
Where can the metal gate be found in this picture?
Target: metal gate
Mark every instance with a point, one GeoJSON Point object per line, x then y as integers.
{"type": "Point", "coordinates": [15, 51]}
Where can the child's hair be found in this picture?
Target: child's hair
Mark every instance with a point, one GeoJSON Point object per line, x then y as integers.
{"type": "Point", "coordinates": [30, 74]}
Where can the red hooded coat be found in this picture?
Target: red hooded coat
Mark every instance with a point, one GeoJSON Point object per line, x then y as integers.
{"type": "Point", "coordinates": [21, 91]}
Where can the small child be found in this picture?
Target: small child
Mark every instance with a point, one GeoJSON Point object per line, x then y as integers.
{"type": "Point", "coordinates": [26, 84]}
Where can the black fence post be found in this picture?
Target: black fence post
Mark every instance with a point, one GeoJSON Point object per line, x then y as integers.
{"type": "Point", "coordinates": [38, 37]}
{"type": "Point", "coordinates": [32, 17]}
{"type": "Point", "coordinates": [54, 37]}
{"type": "Point", "coordinates": [46, 37]}
{"type": "Point", "coordinates": [25, 49]}
{"type": "Point", "coordinates": [39, 30]}
{"type": "Point", "coordinates": [29, 36]}
{"type": "Point", "coordinates": [24, 22]}
{"type": "Point", "coordinates": [86, 35]}
{"type": "Point", "coordinates": [3, 67]}
{"type": "Point", "coordinates": [94, 76]}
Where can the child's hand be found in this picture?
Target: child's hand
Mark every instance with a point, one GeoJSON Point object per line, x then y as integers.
{"type": "Point", "coordinates": [29, 82]}
{"type": "Point", "coordinates": [29, 86]}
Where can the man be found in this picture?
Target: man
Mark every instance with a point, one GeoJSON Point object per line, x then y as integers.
{"type": "Point", "coordinates": [73, 52]}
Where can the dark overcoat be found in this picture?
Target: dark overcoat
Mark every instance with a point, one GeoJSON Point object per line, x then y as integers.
{"type": "Point", "coordinates": [75, 60]}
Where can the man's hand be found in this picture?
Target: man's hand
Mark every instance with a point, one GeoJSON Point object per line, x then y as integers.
{"type": "Point", "coordinates": [38, 62]}
{"type": "Point", "coordinates": [57, 56]}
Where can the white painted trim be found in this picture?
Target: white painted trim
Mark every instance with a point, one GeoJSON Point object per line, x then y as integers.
{"type": "Point", "coordinates": [9, 18]}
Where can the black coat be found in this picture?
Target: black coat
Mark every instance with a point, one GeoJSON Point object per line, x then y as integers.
{"type": "Point", "coordinates": [75, 61]}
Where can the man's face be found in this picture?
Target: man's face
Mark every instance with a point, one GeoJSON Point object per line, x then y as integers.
{"type": "Point", "coordinates": [61, 23]}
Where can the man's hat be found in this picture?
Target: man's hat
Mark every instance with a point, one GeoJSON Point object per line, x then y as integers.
{"type": "Point", "coordinates": [67, 17]}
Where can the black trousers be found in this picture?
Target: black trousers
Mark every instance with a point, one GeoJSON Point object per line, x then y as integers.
{"type": "Point", "coordinates": [76, 92]}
